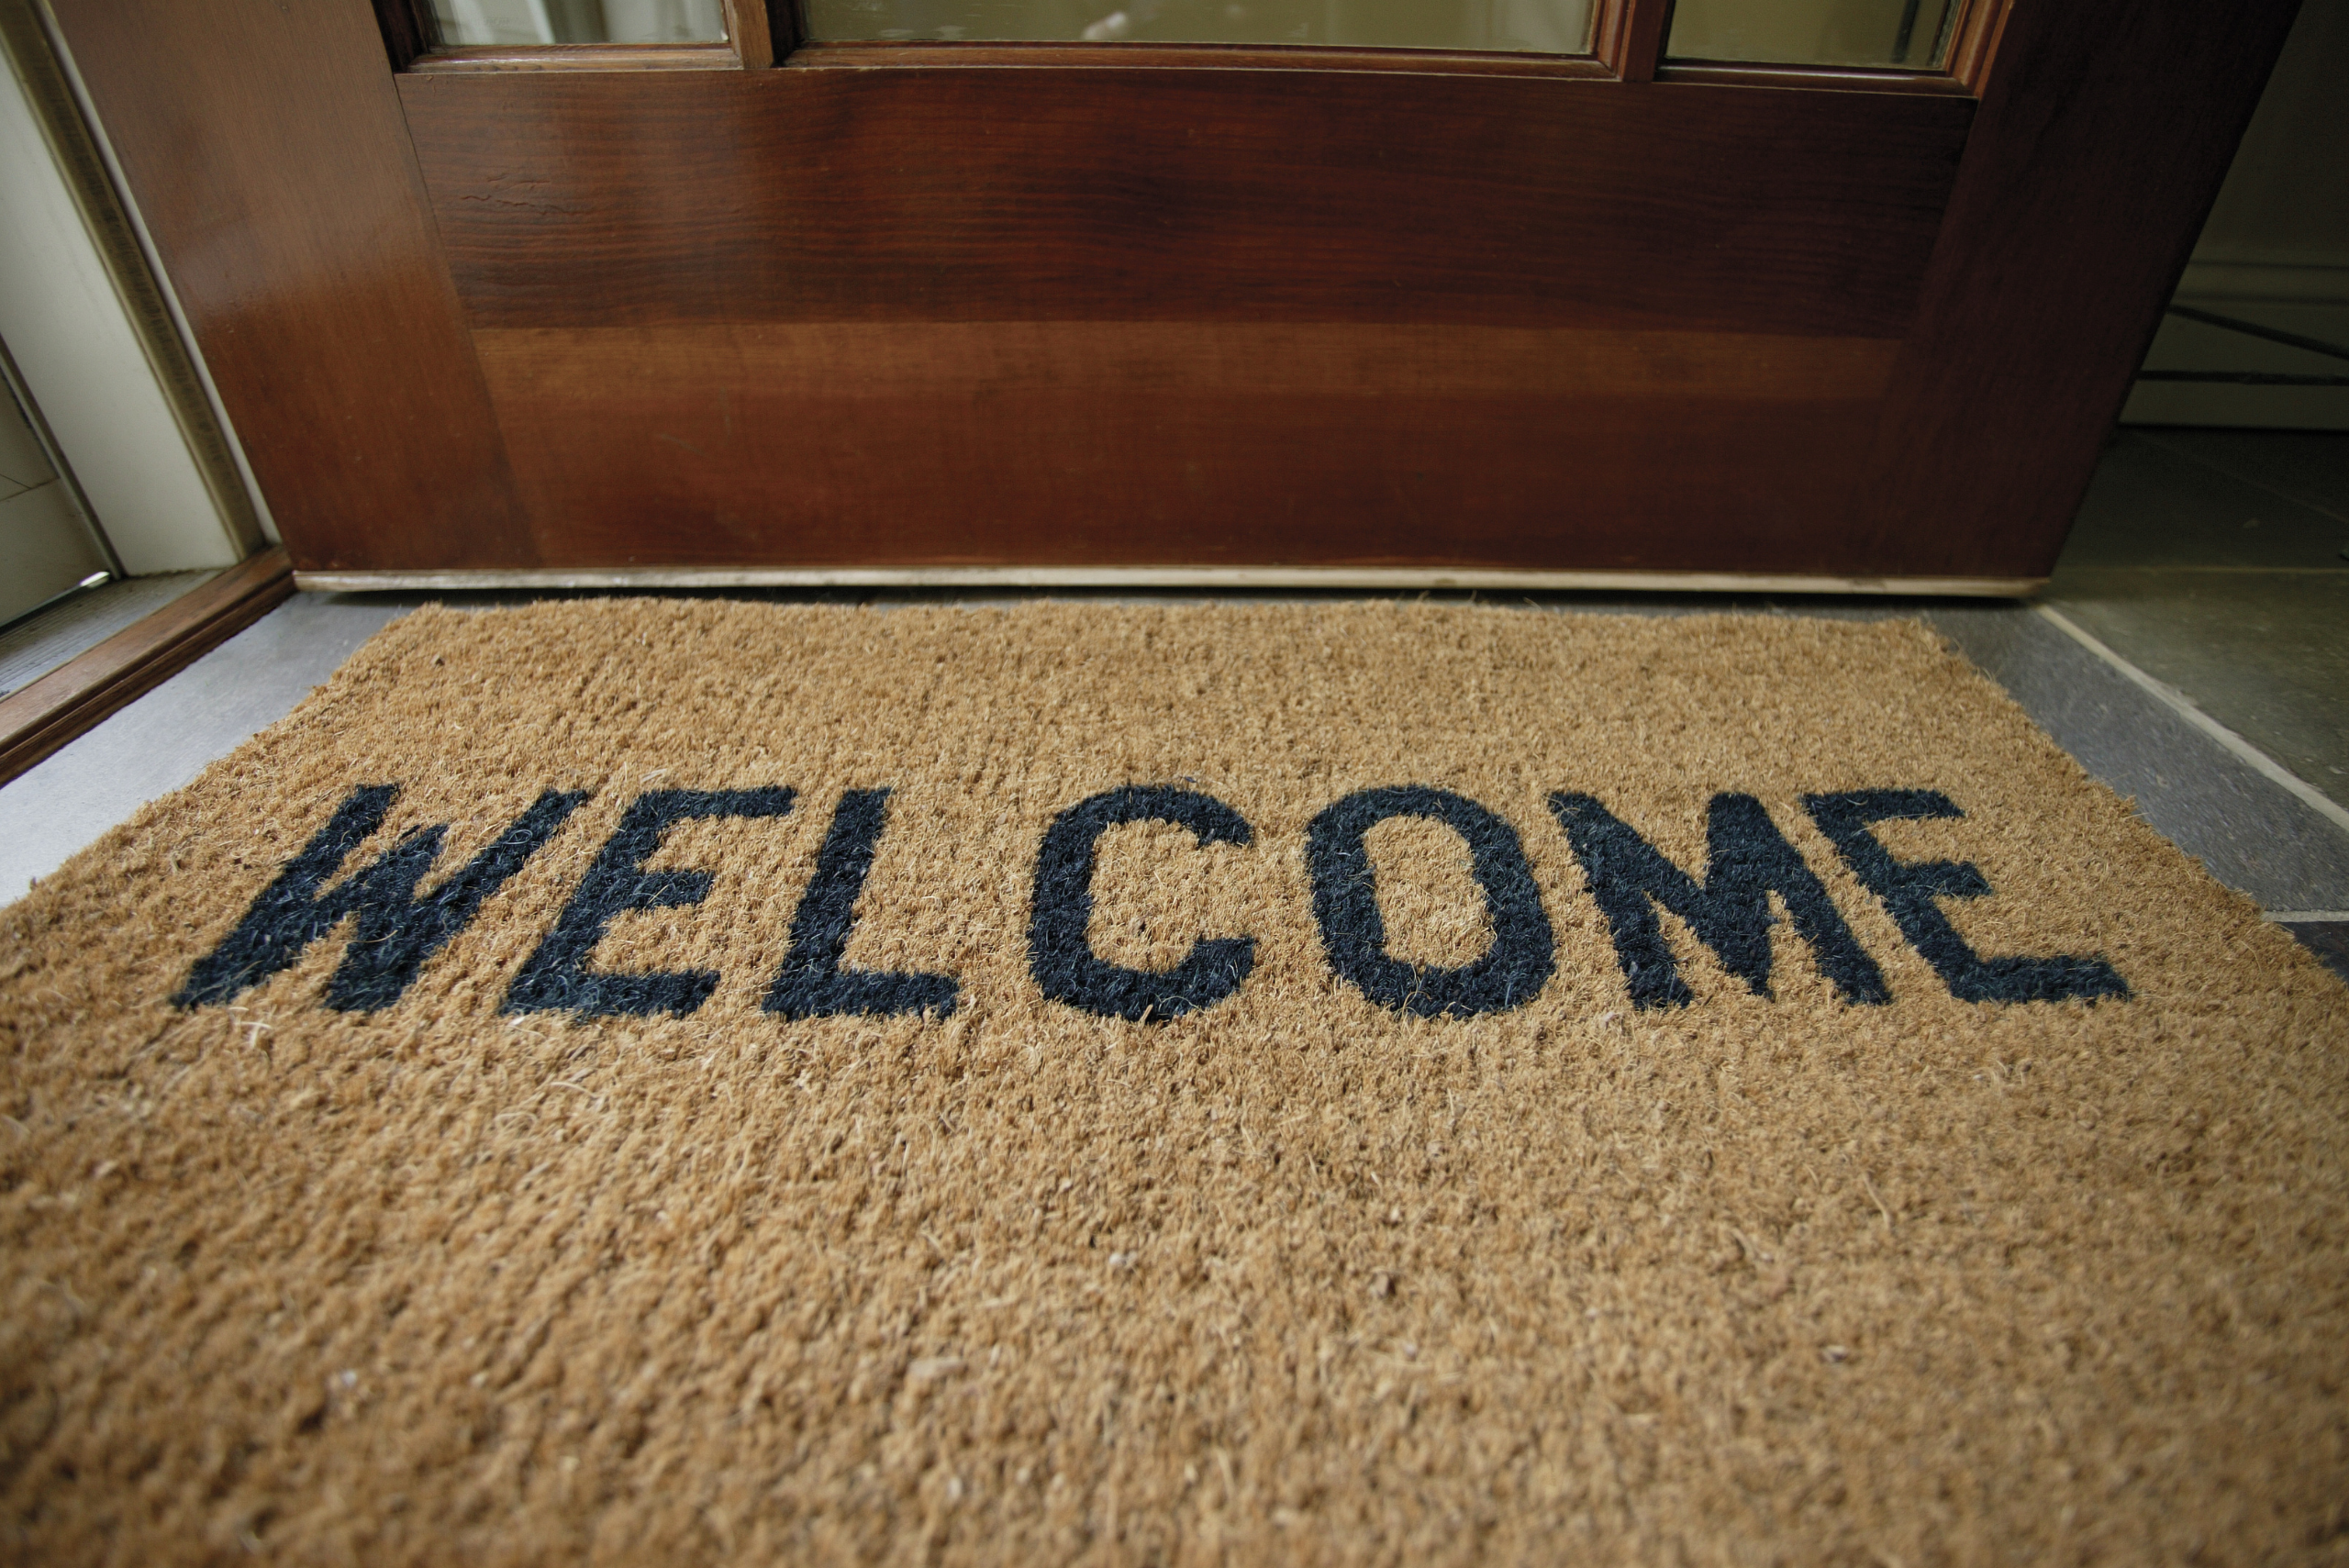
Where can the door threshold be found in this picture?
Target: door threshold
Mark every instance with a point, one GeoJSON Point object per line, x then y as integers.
{"type": "Point", "coordinates": [1391, 579]}
{"type": "Point", "coordinates": [44, 714]}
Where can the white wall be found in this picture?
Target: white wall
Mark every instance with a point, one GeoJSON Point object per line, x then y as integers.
{"type": "Point", "coordinates": [2280, 228]}
{"type": "Point", "coordinates": [84, 363]}
{"type": "Point", "coordinates": [2274, 252]}
{"type": "Point", "coordinates": [45, 547]}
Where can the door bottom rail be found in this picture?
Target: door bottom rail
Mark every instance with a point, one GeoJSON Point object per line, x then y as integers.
{"type": "Point", "coordinates": [1385, 579]}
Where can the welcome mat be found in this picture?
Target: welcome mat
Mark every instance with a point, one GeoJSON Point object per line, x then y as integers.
{"type": "Point", "coordinates": [656, 1080]}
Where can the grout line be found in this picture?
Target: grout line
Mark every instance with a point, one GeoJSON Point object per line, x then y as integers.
{"type": "Point", "coordinates": [2306, 916]}
{"type": "Point", "coordinates": [2260, 329]}
{"type": "Point", "coordinates": [2182, 705]}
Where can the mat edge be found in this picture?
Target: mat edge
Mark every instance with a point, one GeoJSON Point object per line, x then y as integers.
{"type": "Point", "coordinates": [1212, 577]}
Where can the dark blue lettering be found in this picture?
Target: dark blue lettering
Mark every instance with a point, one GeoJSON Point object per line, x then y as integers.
{"type": "Point", "coordinates": [1060, 953]}
{"type": "Point", "coordinates": [1511, 971]}
{"type": "Point", "coordinates": [1909, 890]}
{"type": "Point", "coordinates": [396, 929]}
{"type": "Point", "coordinates": [1747, 859]}
{"type": "Point", "coordinates": [556, 978]}
{"type": "Point", "coordinates": [812, 985]}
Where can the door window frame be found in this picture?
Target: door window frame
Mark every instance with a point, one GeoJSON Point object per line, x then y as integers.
{"type": "Point", "coordinates": [1627, 45]}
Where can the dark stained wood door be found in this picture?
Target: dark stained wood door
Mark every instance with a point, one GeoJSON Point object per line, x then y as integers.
{"type": "Point", "coordinates": [890, 312]}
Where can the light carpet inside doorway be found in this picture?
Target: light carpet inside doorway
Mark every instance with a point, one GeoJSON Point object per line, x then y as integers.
{"type": "Point", "coordinates": [643, 1080]}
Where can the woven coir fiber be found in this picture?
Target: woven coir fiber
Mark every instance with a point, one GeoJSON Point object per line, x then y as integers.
{"type": "Point", "coordinates": [680, 1081]}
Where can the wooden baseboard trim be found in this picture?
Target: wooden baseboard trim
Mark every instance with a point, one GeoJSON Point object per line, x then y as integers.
{"type": "Point", "coordinates": [72, 698]}
{"type": "Point", "coordinates": [1388, 579]}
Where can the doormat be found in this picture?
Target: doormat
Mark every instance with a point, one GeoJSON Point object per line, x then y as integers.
{"type": "Point", "coordinates": [654, 1081]}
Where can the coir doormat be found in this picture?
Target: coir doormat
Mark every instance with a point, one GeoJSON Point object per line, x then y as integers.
{"type": "Point", "coordinates": [680, 1081]}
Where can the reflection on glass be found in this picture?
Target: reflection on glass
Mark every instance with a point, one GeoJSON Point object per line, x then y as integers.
{"type": "Point", "coordinates": [1532, 26]}
{"type": "Point", "coordinates": [1912, 33]}
{"type": "Point", "coordinates": [470, 23]}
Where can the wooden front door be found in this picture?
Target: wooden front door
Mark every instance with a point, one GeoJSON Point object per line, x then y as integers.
{"type": "Point", "coordinates": [915, 310]}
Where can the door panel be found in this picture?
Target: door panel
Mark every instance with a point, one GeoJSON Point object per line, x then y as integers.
{"type": "Point", "coordinates": [1181, 195]}
{"type": "Point", "coordinates": [1070, 316]}
{"type": "Point", "coordinates": [920, 306]}
{"type": "Point", "coordinates": [1213, 444]}
{"type": "Point", "coordinates": [266, 153]}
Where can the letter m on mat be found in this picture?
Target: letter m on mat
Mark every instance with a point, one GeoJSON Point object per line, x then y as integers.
{"type": "Point", "coordinates": [397, 928]}
{"type": "Point", "coordinates": [1748, 859]}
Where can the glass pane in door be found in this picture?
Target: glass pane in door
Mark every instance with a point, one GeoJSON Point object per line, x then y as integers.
{"type": "Point", "coordinates": [1910, 33]}
{"type": "Point", "coordinates": [465, 23]}
{"type": "Point", "coordinates": [1535, 27]}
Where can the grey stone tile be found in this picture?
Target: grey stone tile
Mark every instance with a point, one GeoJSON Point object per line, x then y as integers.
{"type": "Point", "coordinates": [2328, 940]}
{"type": "Point", "coordinates": [2264, 653]}
{"type": "Point", "coordinates": [2184, 344]}
{"type": "Point", "coordinates": [2213, 561]}
{"type": "Point", "coordinates": [2250, 833]}
{"type": "Point", "coordinates": [2153, 506]}
{"type": "Point", "coordinates": [2310, 468]}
